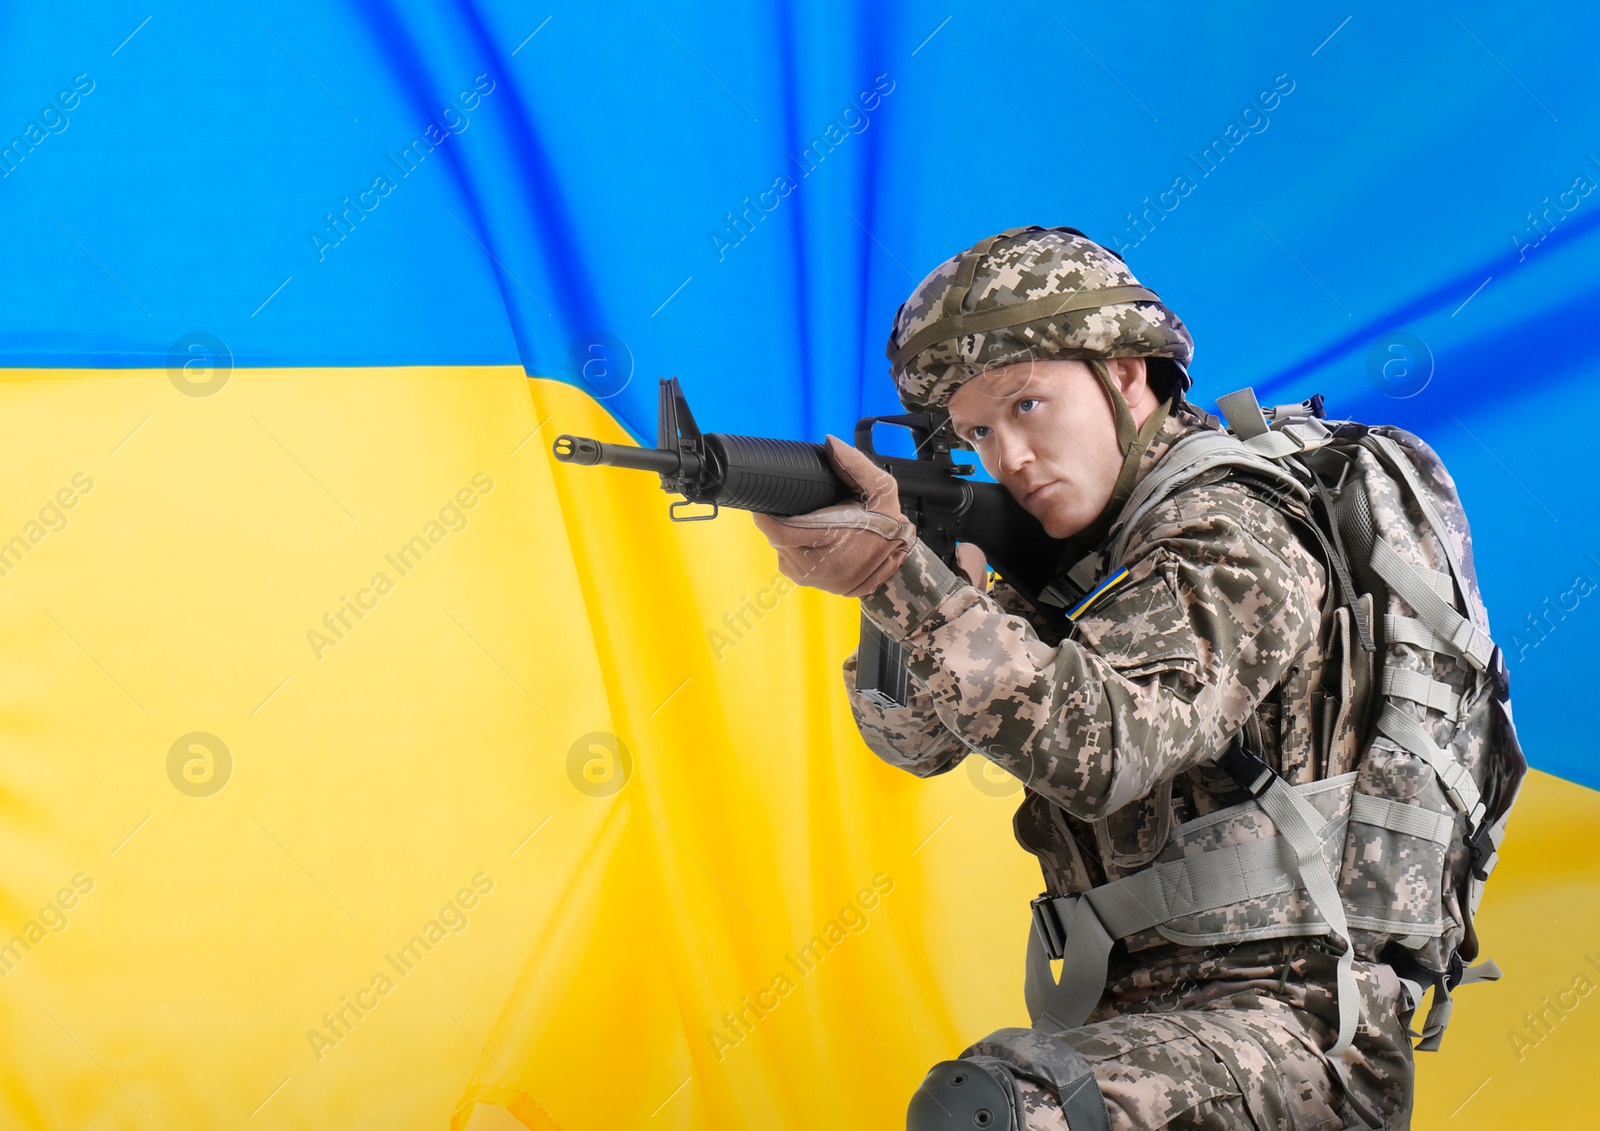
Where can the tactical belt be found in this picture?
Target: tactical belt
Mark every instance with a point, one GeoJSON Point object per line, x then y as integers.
{"type": "Point", "coordinates": [1082, 928]}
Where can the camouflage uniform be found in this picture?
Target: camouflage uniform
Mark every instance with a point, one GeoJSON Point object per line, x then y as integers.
{"type": "Point", "coordinates": [1112, 727]}
{"type": "Point", "coordinates": [1113, 721]}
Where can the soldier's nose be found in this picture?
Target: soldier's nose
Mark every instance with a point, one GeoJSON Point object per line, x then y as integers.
{"type": "Point", "coordinates": [1014, 460]}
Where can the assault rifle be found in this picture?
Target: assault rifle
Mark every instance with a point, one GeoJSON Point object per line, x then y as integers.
{"type": "Point", "coordinates": [787, 477]}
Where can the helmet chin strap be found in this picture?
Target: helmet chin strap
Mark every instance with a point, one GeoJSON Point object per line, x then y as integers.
{"type": "Point", "coordinates": [1133, 441]}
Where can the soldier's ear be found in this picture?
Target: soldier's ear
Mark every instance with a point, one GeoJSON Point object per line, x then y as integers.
{"type": "Point", "coordinates": [1131, 376]}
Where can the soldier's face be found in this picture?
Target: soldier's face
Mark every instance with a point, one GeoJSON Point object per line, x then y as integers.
{"type": "Point", "coordinates": [1047, 433]}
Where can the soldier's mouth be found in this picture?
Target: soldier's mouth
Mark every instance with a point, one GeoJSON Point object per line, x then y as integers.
{"type": "Point", "coordinates": [1038, 492]}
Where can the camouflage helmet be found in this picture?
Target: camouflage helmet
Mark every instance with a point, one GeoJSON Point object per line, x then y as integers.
{"type": "Point", "coordinates": [1026, 294]}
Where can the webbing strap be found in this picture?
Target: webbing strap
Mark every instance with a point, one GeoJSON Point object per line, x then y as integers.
{"type": "Point", "coordinates": [1148, 898]}
{"type": "Point", "coordinates": [1133, 439]}
{"type": "Point", "coordinates": [1406, 630]}
{"type": "Point", "coordinates": [1297, 822]}
{"type": "Point", "coordinates": [1065, 1004]}
{"type": "Point", "coordinates": [1203, 882]}
{"type": "Point", "coordinates": [1050, 1060]}
{"type": "Point", "coordinates": [967, 270]}
{"type": "Point", "coordinates": [1466, 639]}
{"type": "Point", "coordinates": [1397, 459]}
{"type": "Point", "coordinates": [1245, 418]}
{"type": "Point", "coordinates": [1291, 439]}
{"type": "Point", "coordinates": [1297, 432]}
{"type": "Point", "coordinates": [1440, 583]}
{"type": "Point", "coordinates": [1453, 776]}
{"type": "Point", "coordinates": [1412, 820]}
{"type": "Point", "coordinates": [1419, 688]}
{"type": "Point", "coordinates": [1161, 893]}
{"type": "Point", "coordinates": [1475, 888]}
{"type": "Point", "coordinates": [1309, 433]}
{"type": "Point", "coordinates": [955, 325]}
{"type": "Point", "coordinates": [1191, 456]}
{"type": "Point", "coordinates": [1273, 445]}
{"type": "Point", "coordinates": [1413, 990]}
{"type": "Point", "coordinates": [1438, 1019]}
{"type": "Point", "coordinates": [1494, 833]}
{"type": "Point", "coordinates": [1127, 431]}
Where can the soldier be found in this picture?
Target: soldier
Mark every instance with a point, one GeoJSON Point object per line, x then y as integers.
{"type": "Point", "coordinates": [1067, 378]}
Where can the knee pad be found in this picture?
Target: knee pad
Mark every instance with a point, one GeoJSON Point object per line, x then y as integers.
{"type": "Point", "coordinates": [979, 1090]}
{"type": "Point", "coordinates": [960, 1095]}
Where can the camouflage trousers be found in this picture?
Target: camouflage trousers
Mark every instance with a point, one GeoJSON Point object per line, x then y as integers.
{"type": "Point", "coordinates": [1251, 1062]}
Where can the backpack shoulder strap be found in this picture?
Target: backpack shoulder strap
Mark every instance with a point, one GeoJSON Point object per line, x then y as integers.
{"type": "Point", "coordinates": [1189, 458]}
{"type": "Point", "coordinates": [1392, 454]}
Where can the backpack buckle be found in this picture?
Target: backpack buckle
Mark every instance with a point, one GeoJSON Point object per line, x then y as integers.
{"type": "Point", "coordinates": [1047, 922]}
{"type": "Point", "coordinates": [1501, 675]}
{"type": "Point", "coordinates": [1480, 846]}
{"type": "Point", "coordinates": [1246, 768]}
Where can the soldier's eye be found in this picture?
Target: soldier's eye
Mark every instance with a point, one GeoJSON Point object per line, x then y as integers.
{"type": "Point", "coordinates": [973, 433]}
{"type": "Point", "coordinates": [1026, 400]}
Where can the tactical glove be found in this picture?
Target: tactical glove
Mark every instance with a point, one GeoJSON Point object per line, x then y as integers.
{"type": "Point", "coordinates": [848, 548]}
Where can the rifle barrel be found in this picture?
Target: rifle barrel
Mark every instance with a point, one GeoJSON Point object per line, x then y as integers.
{"type": "Point", "coordinates": [584, 451]}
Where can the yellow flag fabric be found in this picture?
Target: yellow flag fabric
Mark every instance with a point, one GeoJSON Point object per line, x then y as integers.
{"type": "Point", "coordinates": [270, 716]}
{"type": "Point", "coordinates": [365, 766]}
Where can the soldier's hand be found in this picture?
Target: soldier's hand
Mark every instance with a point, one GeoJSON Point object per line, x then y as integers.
{"type": "Point", "coordinates": [848, 548]}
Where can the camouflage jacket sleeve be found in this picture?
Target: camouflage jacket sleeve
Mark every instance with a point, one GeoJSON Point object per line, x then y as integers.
{"type": "Point", "coordinates": [912, 737]}
{"type": "Point", "coordinates": [1221, 600]}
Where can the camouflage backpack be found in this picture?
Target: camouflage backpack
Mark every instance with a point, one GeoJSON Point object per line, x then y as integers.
{"type": "Point", "coordinates": [1390, 849]}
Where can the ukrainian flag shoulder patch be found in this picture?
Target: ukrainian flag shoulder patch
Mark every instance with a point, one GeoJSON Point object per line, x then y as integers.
{"type": "Point", "coordinates": [1096, 593]}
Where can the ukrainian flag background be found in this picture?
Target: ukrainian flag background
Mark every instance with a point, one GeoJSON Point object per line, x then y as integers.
{"type": "Point", "coordinates": [361, 766]}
